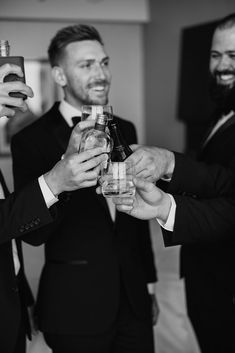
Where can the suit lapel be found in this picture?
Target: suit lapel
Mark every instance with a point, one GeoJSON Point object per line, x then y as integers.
{"type": "Point", "coordinates": [218, 133]}
{"type": "Point", "coordinates": [4, 187]}
{"type": "Point", "coordinates": [59, 129]}
{"type": "Point", "coordinates": [225, 126]}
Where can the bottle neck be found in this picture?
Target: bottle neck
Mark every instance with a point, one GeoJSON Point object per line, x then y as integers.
{"type": "Point", "coordinates": [121, 149]}
{"type": "Point", "coordinates": [101, 123]}
{"type": "Point", "coordinates": [4, 48]}
{"type": "Point", "coordinates": [100, 127]}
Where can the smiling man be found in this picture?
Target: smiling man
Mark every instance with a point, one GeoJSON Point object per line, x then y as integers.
{"type": "Point", "coordinates": [222, 66]}
{"type": "Point", "coordinates": [197, 215]}
{"type": "Point", "coordinates": [93, 293]}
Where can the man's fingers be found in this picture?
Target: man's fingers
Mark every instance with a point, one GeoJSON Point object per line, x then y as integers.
{"type": "Point", "coordinates": [124, 208]}
{"type": "Point", "coordinates": [5, 111]}
{"type": "Point", "coordinates": [143, 184]}
{"type": "Point", "coordinates": [18, 86]}
{"type": "Point", "coordinates": [127, 201]}
{"type": "Point", "coordinates": [15, 86]}
{"type": "Point", "coordinates": [86, 155]}
{"type": "Point", "coordinates": [83, 125]}
{"type": "Point", "coordinates": [94, 162]}
{"type": "Point", "coordinates": [8, 68]}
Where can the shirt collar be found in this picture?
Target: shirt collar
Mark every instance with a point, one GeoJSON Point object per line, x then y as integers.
{"type": "Point", "coordinates": [68, 111]}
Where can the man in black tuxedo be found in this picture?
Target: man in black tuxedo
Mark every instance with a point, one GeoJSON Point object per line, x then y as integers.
{"type": "Point", "coordinates": [201, 213]}
{"type": "Point", "coordinates": [93, 289]}
{"type": "Point", "coordinates": [25, 211]}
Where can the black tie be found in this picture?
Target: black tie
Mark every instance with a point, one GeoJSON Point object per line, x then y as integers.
{"type": "Point", "coordinates": [76, 119]}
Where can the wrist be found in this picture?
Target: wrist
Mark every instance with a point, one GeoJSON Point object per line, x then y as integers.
{"type": "Point", "coordinates": [52, 183]}
{"type": "Point", "coordinates": [163, 208]}
{"type": "Point", "coordinates": [170, 164]}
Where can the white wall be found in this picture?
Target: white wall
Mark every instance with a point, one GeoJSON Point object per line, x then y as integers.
{"type": "Point", "coordinates": [104, 10]}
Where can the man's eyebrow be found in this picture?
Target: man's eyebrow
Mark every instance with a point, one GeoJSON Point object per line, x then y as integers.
{"type": "Point", "coordinates": [93, 60]}
{"type": "Point", "coordinates": [227, 51]}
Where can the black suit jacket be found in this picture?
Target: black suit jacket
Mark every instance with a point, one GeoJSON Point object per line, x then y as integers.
{"type": "Point", "coordinates": [83, 298]}
{"type": "Point", "coordinates": [205, 213]}
{"type": "Point", "coordinates": [18, 216]}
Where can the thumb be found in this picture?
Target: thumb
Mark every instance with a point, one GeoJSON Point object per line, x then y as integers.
{"type": "Point", "coordinates": [143, 185]}
{"type": "Point", "coordinates": [82, 125]}
{"type": "Point", "coordinates": [134, 147]}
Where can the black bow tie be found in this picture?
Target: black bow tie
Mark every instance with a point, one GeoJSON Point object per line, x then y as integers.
{"type": "Point", "coordinates": [76, 119]}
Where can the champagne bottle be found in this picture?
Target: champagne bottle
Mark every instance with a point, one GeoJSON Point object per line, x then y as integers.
{"type": "Point", "coordinates": [121, 150]}
{"type": "Point", "coordinates": [98, 136]}
{"type": "Point", "coordinates": [16, 60]}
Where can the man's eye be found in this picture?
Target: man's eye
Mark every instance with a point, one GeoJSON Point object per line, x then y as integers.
{"type": "Point", "coordinates": [85, 65]}
{"type": "Point", "coordinates": [105, 63]}
{"type": "Point", "coordinates": [214, 56]}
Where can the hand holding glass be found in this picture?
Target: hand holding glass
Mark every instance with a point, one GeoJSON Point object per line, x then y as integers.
{"type": "Point", "coordinates": [117, 179]}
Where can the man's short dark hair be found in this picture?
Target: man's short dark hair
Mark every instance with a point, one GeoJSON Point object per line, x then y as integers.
{"type": "Point", "coordinates": [70, 34]}
{"type": "Point", "coordinates": [226, 22]}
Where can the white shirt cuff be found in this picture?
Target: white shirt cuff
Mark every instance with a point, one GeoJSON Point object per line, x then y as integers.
{"type": "Point", "coordinates": [49, 197]}
{"type": "Point", "coordinates": [151, 288]}
{"type": "Point", "coordinates": [170, 222]}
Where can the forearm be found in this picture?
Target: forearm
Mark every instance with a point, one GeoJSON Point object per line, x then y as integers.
{"type": "Point", "coordinates": [22, 212]}
{"type": "Point", "coordinates": [197, 179]}
{"type": "Point", "coordinates": [206, 220]}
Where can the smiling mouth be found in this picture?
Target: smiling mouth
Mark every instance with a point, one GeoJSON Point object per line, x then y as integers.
{"type": "Point", "coordinates": [99, 89]}
{"type": "Point", "coordinates": [225, 78]}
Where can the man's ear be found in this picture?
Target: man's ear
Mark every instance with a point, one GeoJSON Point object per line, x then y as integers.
{"type": "Point", "coordinates": [59, 76]}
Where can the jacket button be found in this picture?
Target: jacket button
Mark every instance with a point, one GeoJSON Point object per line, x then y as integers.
{"type": "Point", "coordinates": [37, 221]}
{"type": "Point", "coordinates": [16, 289]}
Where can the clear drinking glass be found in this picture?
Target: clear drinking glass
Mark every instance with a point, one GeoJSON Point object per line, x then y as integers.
{"type": "Point", "coordinates": [117, 179]}
{"type": "Point", "coordinates": [91, 111]}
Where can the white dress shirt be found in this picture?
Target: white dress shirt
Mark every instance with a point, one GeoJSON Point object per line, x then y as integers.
{"type": "Point", "coordinates": [169, 224]}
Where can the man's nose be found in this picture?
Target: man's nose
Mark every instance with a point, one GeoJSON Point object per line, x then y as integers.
{"type": "Point", "coordinates": [99, 71]}
{"type": "Point", "coordinates": [224, 63]}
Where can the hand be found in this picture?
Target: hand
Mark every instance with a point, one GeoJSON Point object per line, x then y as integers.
{"type": "Point", "coordinates": [76, 135]}
{"type": "Point", "coordinates": [16, 86]}
{"type": "Point", "coordinates": [76, 171]}
{"type": "Point", "coordinates": [148, 202]}
{"type": "Point", "coordinates": [152, 163]}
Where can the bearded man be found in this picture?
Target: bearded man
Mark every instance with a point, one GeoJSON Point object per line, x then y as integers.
{"type": "Point", "coordinates": [198, 211]}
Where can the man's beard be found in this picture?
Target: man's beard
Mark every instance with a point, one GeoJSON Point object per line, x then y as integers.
{"type": "Point", "coordinates": [222, 95]}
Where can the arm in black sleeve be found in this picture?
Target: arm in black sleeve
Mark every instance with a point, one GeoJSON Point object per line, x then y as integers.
{"type": "Point", "coordinates": [200, 179]}
{"type": "Point", "coordinates": [202, 220]}
{"type": "Point", "coordinates": [22, 212]}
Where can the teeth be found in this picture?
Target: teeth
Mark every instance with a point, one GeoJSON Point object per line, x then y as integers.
{"type": "Point", "coordinates": [98, 88]}
{"type": "Point", "coordinates": [226, 77]}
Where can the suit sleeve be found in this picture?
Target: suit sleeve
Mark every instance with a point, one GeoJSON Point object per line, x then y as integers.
{"type": "Point", "coordinates": [22, 212]}
{"type": "Point", "coordinates": [24, 150]}
{"type": "Point", "coordinates": [205, 202]}
{"type": "Point", "coordinates": [201, 220]}
{"type": "Point", "coordinates": [199, 179]}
